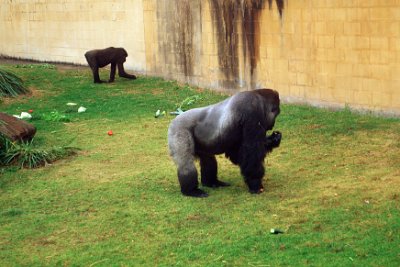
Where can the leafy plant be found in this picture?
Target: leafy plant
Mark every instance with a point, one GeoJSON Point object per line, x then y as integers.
{"type": "Point", "coordinates": [184, 105]}
{"type": "Point", "coordinates": [188, 101]}
{"type": "Point", "coordinates": [11, 84]}
{"type": "Point", "coordinates": [26, 155]}
{"type": "Point", "coordinates": [52, 116]}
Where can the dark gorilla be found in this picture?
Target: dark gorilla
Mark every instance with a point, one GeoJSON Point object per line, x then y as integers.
{"type": "Point", "coordinates": [100, 58]}
{"type": "Point", "coordinates": [237, 127]}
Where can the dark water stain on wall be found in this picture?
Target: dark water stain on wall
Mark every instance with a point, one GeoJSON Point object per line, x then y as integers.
{"type": "Point", "coordinates": [175, 34]}
{"type": "Point", "coordinates": [228, 16]}
{"type": "Point", "coordinates": [279, 4]}
{"type": "Point", "coordinates": [236, 25]}
{"type": "Point", "coordinates": [224, 16]}
{"type": "Point", "coordinates": [186, 45]}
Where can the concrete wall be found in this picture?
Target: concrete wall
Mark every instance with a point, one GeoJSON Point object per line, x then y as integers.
{"type": "Point", "coordinates": [63, 30]}
{"type": "Point", "coordinates": [323, 52]}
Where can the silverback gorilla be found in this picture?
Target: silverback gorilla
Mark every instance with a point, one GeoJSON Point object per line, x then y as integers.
{"type": "Point", "coordinates": [100, 58]}
{"type": "Point", "coordinates": [237, 127]}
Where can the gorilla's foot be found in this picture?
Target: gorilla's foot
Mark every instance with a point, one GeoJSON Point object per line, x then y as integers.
{"type": "Point", "coordinates": [195, 193]}
{"type": "Point", "coordinates": [215, 184]}
{"type": "Point", "coordinates": [128, 76]}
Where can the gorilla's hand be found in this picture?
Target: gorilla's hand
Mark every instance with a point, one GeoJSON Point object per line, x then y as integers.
{"type": "Point", "coordinates": [276, 138]}
{"type": "Point", "coordinates": [257, 191]}
{"type": "Point", "coordinates": [255, 186]}
{"type": "Point", "coordinates": [273, 140]}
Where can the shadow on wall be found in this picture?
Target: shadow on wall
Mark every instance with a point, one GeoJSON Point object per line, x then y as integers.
{"type": "Point", "coordinates": [180, 39]}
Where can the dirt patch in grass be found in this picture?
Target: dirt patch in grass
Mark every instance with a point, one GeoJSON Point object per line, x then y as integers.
{"type": "Point", "coordinates": [157, 91]}
{"type": "Point", "coordinates": [130, 91]}
{"type": "Point", "coordinates": [34, 93]}
{"type": "Point", "coordinates": [59, 65]}
{"type": "Point", "coordinates": [62, 67]}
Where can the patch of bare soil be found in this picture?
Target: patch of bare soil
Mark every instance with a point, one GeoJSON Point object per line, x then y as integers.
{"type": "Point", "coordinates": [61, 66]}
{"type": "Point", "coordinates": [34, 92]}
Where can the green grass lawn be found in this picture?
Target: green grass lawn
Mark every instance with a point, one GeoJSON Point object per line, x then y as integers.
{"type": "Point", "coordinates": [333, 186]}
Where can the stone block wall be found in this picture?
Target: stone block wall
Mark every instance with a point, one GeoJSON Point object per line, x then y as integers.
{"type": "Point", "coordinates": [62, 31]}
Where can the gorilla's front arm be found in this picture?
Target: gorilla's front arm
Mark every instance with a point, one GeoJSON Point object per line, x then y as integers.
{"type": "Point", "coordinates": [237, 127]}
{"type": "Point", "coordinates": [252, 153]}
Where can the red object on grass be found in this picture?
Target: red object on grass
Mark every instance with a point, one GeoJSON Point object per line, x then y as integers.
{"type": "Point", "coordinates": [110, 132]}
{"type": "Point", "coordinates": [30, 111]}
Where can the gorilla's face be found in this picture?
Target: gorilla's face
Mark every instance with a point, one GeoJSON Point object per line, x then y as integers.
{"type": "Point", "coordinates": [271, 109]}
{"type": "Point", "coordinates": [122, 56]}
{"type": "Point", "coordinates": [272, 114]}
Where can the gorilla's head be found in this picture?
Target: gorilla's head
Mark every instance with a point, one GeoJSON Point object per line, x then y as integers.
{"type": "Point", "coordinates": [271, 107]}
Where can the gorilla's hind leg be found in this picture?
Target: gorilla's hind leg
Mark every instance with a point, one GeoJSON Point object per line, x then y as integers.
{"type": "Point", "coordinates": [187, 176]}
{"type": "Point", "coordinates": [181, 146]}
{"type": "Point", "coordinates": [209, 169]}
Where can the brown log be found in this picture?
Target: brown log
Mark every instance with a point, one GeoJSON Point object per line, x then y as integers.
{"type": "Point", "coordinates": [16, 129]}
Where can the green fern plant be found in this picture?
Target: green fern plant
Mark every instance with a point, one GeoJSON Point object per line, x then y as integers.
{"type": "Point", "coordinates": [26, 155]}
{"type": "Point", "coordinates": [11, 85]}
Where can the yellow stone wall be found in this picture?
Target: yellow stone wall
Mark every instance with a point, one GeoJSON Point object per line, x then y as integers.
{"type": "Point", "coordinates": [337, 52]}
{"type": "Point", "coordinates": [322, 52]}
{"type": "Point", "coordinates": [62, 31]}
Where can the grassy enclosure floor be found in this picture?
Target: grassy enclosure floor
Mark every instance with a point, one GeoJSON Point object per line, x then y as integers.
{"type": "Point", "coordinates": [332, 186]}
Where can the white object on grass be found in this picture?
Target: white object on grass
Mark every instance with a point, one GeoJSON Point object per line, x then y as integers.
{"type": "Point", "coordinates": [158, 112]}
{"type": "Point", "coordinates": [177, 112]}
{"type": "Point", "coordinates": [71, 104]}
{"type": "Point", "coordinates": [81, 109]}
{"type": "Point", "coordinates": [276, 231]}
{"type": "Point", "coordinates": [24, 115]}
